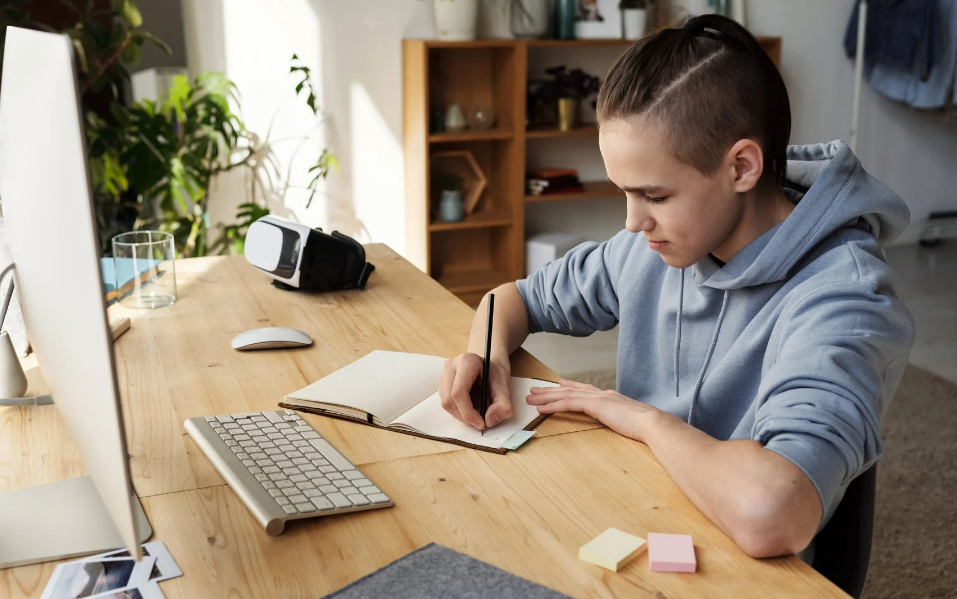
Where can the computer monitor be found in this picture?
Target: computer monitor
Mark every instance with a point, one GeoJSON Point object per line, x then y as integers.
{"type": "Point", "coordinates": [48, 212]}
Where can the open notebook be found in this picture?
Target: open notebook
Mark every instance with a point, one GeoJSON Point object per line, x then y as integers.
{"type": "Point", "coordinates": [399, 391]}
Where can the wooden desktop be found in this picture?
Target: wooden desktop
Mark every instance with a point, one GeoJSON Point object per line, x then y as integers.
{"type": "Point", "coordinates": [527, 512]}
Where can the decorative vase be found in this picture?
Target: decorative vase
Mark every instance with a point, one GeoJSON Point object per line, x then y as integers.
{"type": "Point", "coordinates": [495, 19]}
{"type": "Point", "coordinates": [634, 21]}
{"type": "Point", "coordinates": [481, 118]}
{"type": "Point", "coordinates": [454, 118]}
{"type": "Point", "coordinates": [450, 206]}
{"type": "Point", "coordinates": [532, 23]}
{"type": "Point", "coordinates": [568, 113]}
{"type": "Point", "coordinates": [455, 20]}
{"type": "Point", "coordinates": [565, 13]}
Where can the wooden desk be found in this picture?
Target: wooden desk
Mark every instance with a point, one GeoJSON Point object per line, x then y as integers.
{"type": "Point", "coordinates": [527, 511]}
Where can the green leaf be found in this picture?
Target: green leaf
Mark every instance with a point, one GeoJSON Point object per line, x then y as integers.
{"type": "Point", "coordinates": [81, 56]}
{"type": "Point", "coordinates": [146, 35]}
{"type": "Point", "coordinates": [132, 14]}
{"type": "Point", "coordinates": [132, 53]}
{"type": "Point", "coordinates": [179, 92]}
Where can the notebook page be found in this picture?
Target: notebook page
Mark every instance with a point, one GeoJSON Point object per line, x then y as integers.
{"type": "Point", "coordinates": [382, 383]}
{"type": "Point", "coordinates": [429, 418]}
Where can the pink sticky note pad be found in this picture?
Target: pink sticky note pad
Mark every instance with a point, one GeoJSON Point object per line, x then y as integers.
{"type": "Point", "coordinates": [671, 553]}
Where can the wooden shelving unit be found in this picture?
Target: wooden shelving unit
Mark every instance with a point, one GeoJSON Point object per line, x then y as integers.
{"type": "Point", "coordinates": [487, 248]}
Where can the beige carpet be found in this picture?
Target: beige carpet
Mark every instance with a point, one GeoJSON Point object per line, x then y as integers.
{"type": "Point", "coordinates": [915, 535]}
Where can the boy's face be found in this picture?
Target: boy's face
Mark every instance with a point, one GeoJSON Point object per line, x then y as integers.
{"type": "Point", "coordinates": [697, 213]}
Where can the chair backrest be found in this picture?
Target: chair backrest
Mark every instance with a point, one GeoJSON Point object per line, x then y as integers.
{"type": "Point", "coordinates": [842, 550]}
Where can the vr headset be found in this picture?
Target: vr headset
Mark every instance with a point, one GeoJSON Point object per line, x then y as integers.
{"type": "Point", "coordinates": [297, 257]}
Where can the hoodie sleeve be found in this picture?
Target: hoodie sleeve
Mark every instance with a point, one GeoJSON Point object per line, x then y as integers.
{"type": "Point", "coordinates": [839, 358]}
{"type": "Point", "coordinates": [578, 294]}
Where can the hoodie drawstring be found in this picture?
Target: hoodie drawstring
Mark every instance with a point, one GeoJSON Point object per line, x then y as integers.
{"type": "Point", "coordinates": [681, 303]}
{"type": "Point", "coordinates": [707, 359]}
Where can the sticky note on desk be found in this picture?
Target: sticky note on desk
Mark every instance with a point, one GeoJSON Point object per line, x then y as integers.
{"type": "Point", "coordinates": [611, 549]}
{"type": "Point", "coordinates": [671, 553]}
{"type": "Point", "coordinates": [518, 439]}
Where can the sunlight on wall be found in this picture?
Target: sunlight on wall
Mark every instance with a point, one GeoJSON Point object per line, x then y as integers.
{"type": "Point", "coordinates": [260, 40]}
{"type": "Point", "coordinates": [376, 158]}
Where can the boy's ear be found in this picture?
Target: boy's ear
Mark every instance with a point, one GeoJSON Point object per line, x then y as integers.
{"type": "Point", "coordinates": [747, 160]}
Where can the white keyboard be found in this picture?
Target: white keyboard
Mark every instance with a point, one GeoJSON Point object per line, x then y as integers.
{"type": "Point", "coordinates": [281, 468]}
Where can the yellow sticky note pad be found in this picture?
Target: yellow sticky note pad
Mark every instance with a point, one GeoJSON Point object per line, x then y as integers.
{"type": "Point", "coordinates": [611, 549]}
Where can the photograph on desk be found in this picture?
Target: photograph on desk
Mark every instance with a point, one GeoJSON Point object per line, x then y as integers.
{"type": "Point", "coordinates": [91, 578]}
{"type": "Point", "coordinates": [398, 391]}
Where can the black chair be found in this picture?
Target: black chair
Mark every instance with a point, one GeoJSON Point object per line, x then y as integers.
{"type": "Point", "coordinates": [842, 550]}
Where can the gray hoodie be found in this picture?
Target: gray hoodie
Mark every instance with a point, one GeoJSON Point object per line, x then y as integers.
{"type": "Point", "coordinates": [798, 342]}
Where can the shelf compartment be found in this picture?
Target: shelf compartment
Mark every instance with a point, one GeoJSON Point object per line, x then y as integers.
{"type": "Point", "coordinates": [477, 220]}
{"type": "Point", "coordinates": [617, 42]}
{"type": "Point", "coordinates": [586, 130]}
{"type": "Point", "coordinates": [594, 190]}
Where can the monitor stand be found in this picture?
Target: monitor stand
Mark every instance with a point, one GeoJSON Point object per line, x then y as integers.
{"type": "Point", "coordinates": [57, 521]}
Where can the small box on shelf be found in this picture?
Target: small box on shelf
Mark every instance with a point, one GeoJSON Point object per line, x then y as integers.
{"type": "Point", "coordinates": [544, 248]}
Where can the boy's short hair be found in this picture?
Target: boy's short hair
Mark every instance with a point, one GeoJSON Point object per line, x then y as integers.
{"type": "Point", "coordinates": [709, 84]}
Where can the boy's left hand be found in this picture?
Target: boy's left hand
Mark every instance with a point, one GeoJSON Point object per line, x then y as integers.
{"type": "Point", "coordinates": [621, 414]}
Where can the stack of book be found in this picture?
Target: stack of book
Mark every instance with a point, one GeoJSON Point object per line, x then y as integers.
{"type": "Point", "coordinates": [547, 181]}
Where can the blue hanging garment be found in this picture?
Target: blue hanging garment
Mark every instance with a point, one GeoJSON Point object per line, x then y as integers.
{"type": "Point", "coordinates": [900, 34]}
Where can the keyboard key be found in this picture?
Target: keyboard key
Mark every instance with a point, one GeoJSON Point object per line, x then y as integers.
{"type": "Point", "coordinates": [342, 483]}
{"type": "Point", "coordinates": [269, 485]}
{"type": "Point", "coordinates": [271, 470]}
{"type": "Point", "coordinates": [231, 426]}
{"type": "Point", "coordinates": [288, 491]}
{"type": "Point", "coordinates": [330, 453]}
{"type": "Point", "coordinates": [225, 418]}
{"type": "Point", "coordinates": [359, 500]}
{"type": "Point", "coordinates": [353, 474]}
{"type": "Point", "coordinates": [273, 417]}
{"type": "Point", "coordinates": [364, 482]}
{"type": "Point", "coordinates": [272, 451]}
{"type": "Point", "coordinates": [297, 498]}
{"type": "Point", "coordinates": [307, 467]}
{"type": "Point", "coordinates": [327, 469]}
{"type": "Point", "coordinates": [334, 476]}
{"type": "Point", "coordinates": [261, 477]}
{"type": "Point", "coordinates": [311, 492]}
{"type": "Point", "coordinates": [249, 463]}
{"type": "Point", "coordinates": [258, 455]}
{"type": "Point", "coordinates": [282, 425]}
{"type": "Point", "coordinates": [228, 437]}
{"type": "Point", "coordinates": [275, 492]}
{"type": "Point", "coordinates": [298, 461]}
{"type": "Point", "coordinates": [322, 503]}
{"type": "Point", "coordinates": [289, 509]}
{"type": "Point", "coordinates": [312, 455]}
{"type": "Point", "coordinates": [269, 429]}
{"type": "Point", "coordinates": [303, 428]}
{"type": "Point", "coordinates": [258, 418]}
{"type": "Point", "coordinates": [298, 478]}
{"type": "Point", "coordinates": [212, 418]}
{"type": "Point", "coordinates": [372, 490]}
{"type": "Point", "coordinates": [267, 445]}
{"type": "Point", "coordinates": [305, 485]}
{"type": "Point", "coordinates": [256, 470]}
{"type": "Point", "coordinates": [301, 445]}
{"type": "Point", "coordinates": [351, 491]}
{"type": "Point", "coordinates": [278, 479]}
{"type": "Point", "coordinates": [315, 475]}
{"type": "Point", "coordinates": [284, 464]}
{"type": "Point", "coordinates": [230, 443]}
{"type": "Point", "coordinates": [378, 498]}
{"type": "Point", "coordinates": [260, 439]}
{"type": "Point", "coordinates": [339, 500]}
{"type": "Point", "coordinates": [264, 463]}
{"type": "Point", "coordinates": [241, 438]}
{"type": "Point", "coordinates": [320, 463]}
{"type": "Point", "coordinates": [286, 447]}
{"type": "Point", "coordinates": [310, 435]}
{"type": "Point", "coordinates": [290, 471]}
{"type": "Point", "coordinates": [305, 508]}
{"type": "Point", "coordinates": [281, 500]}
{"type": "Point", "coordinates": [328, 489]}
{"type": "Point", "coordinates": [294, 437]}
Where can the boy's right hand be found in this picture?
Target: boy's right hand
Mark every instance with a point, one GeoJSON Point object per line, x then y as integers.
{"type": "Point", "coordinates": [463, 373]}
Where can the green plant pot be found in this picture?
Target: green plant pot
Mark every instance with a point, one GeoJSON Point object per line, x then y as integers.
{"type": "Point", "coordinates": [568, 111]}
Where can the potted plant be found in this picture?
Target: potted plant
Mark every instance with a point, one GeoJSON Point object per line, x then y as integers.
{"type": "Point", "coordinates": [566, 90]}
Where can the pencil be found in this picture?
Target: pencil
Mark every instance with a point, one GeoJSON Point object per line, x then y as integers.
{"type": "Point", "coordinates": [483, 406]}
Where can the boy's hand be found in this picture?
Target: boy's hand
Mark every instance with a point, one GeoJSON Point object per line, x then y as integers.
{"type": "Point", "coordinates": [462, 377]}
{"type": "Point", "coordinates": [621, 414]}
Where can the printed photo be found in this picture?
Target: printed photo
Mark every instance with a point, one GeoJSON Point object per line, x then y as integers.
{"type": "Point", "coordinates": [81, 580]}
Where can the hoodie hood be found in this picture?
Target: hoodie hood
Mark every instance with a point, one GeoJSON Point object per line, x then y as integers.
{"type": "Point", "coordinates": [832, 192]}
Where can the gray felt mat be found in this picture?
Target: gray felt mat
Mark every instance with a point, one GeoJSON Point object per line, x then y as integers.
{"type": "Point", "coordinates": [434, 572]}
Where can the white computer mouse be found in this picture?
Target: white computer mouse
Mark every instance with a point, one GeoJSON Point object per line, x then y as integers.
{"type": "Point", "coordinates": [271, 338]}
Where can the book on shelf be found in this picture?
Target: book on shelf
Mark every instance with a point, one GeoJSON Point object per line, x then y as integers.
{"type": "Point", "coordinates": [548, 181]}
